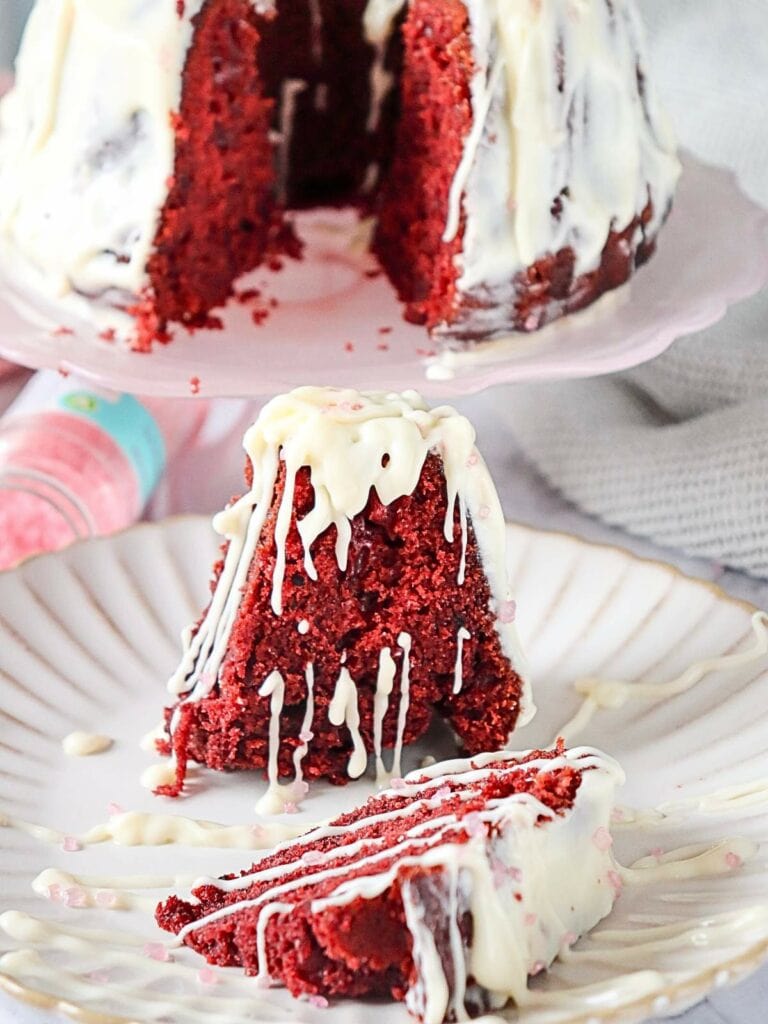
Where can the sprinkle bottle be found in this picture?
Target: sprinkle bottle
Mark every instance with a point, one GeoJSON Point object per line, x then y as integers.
{"type": "Point", "coordinates": [78, 461]}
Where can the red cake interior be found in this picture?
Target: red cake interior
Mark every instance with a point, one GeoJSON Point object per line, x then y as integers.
{"type": "Point", "coordinates": [212, 228]}
{"type": "Point", "coordinates": [362, 947]}
{"type": "Point", "coordinates": [402, 575]}
{"type": "Point", "coordinates": [331, 143]}
{"type": "Point", "coordinates": [435, 120]}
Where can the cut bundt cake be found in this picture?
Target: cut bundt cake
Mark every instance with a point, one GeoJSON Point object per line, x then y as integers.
{"type": "Point", "coordinates": [447, 891]}
{"type": "Point", "coordinates": [362, 589]}
{"type": "Point", "coordinates": [515, 153]}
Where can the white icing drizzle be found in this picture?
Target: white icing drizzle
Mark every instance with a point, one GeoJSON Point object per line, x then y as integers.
{"type": "Point", "coordinates": [85, 744]}
{"type": "Point", "coordinates": [273, 800]}
{"type": "Point", "coordinates": [343, 710]}
{"type": "Point", "coordinates": [352, 442]}
{"type": "Point", "coordinates": [458, 680]}
{"type": "Point", "coordinates": [614, 694]}
{"type": "Point", "coordinates": [306, 730]}
{"type": "Point", "coordinates": [134, 828]}
{"type": "Point", "coordinates": [385, 682]}
{"type": "Point", "coordinates": [404, 643]}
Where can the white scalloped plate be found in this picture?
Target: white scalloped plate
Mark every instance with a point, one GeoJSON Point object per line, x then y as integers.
{"type": "Point", "coordinates": [88, 636]}
{"type": "Point", "coordinates": [712, 253]}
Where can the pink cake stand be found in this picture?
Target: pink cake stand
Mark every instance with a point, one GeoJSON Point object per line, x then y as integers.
{"type": "Point", "coordinates": [339, 322]}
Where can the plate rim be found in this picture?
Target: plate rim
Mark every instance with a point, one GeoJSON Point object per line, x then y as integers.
{"type": "Point", "coordinates": [682, 995]}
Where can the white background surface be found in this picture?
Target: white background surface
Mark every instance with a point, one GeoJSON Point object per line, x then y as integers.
{"type": "Point", "coordinates": [712, 59]}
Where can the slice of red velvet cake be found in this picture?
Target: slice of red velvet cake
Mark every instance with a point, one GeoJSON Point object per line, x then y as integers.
{"type": "Point", "coordinates": [447, 891]}
{"type": "Point", "coordinates": [362, 590]}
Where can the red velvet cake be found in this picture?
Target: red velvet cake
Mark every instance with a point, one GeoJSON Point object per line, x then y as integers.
{"type": "Point", "coordinates": [447, 891]}
{"type": "Point", "coordinates": [362, 590]}
{"type": "Point", "coordinates": [515, 153]}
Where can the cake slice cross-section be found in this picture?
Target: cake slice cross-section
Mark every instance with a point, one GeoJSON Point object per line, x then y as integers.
{"type": "Point", "coordinates": [447, 891]}
{"type": "Point", "coordinates": [362, 590]}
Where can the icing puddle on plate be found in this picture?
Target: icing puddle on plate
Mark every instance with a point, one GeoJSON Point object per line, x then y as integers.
{"type": "Point", "coordinates": [81, 884]}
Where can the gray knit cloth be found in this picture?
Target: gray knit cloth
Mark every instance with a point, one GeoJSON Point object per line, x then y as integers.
{"type": "Point", "coordinates": [677, 450]}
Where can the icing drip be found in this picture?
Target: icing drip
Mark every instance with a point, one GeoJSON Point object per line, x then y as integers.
{"type": "Point", "coordinates": [343, 710]}
{"type": "Point", "coordinates": [614, 694]}
{"type": "Point", "coordinates": [404, 643]}
{"type": "Point", "coordinates": [352, 442]}
{"type": "Point", "coordinates": [385, 682]}
{"type": "Point", "coordinates": [381, 83]}
{"type": "Point", "coordinates": [273, 687]}
{"type": "Point", "coordinates": [290, 90]}
{"type": "Point", "coordinates": [306, 731]}
{"type": "Point", "coordinates": [461, 636]}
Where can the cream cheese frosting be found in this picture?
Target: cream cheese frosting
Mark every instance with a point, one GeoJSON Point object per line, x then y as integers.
{"type": "Point", "coordinates": [563, 113]}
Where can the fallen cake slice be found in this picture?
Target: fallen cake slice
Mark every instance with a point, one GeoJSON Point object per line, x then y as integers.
{"type": "Point", "coordinates": [447, 891]}
{"type": "Point", "coordinates": [362, 589]}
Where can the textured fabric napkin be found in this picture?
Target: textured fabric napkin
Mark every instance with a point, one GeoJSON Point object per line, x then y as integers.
{"type": "Point", "coordinates": [677, 449]}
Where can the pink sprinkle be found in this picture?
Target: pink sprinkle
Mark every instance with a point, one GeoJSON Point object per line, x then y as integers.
{"type": "Point", "coordinates": [507, 611]}
{"type": "Point", "coordinates": [290, 807]}
{"type": "Point", "coordinates": [258, 831]}
{"type": "Point", "coordinates": [484, 511]}
{"type": "Point", "coordinates": [113, 809]}
{"type": "Point", "coordinates": [71, 845]}
{"type": "Point", "coordinates": [474, 825]}
{"type": "Point", "coordinates": [602, 839]}
{"type": "Point", "coordinates": [443, 793]}
{"type": "Point", "coordinates": [99, 977]}
{"type": "Point", "coordinates": [54, 893]}
{"type": "Point", "coordinates": [306, 736]}
{"type": "Point", "coordinates": [617, 814]}
{"type": "Point", "coordinates": [538, 967]}
{"type": "Point", "coordinates": [473, 459]}
{"type": "Point", "coordinates": [531, 322]}
{"type": "Point", "coordinates": [615, 881]}
{"type": "Point", "coordinates": [320, 1002]}
{"type": "Point", "coordinates": [207, 977]}
{"type": "Point", "coordinates": [568, 940]}
{"type": "Point", "coordinates": [75, 898]}
{"type": "Point", "coordinates": [300, 788]}
{"type": "Point", "coordinates": [530, 919]}
{"type": "Point", "coordinates": [157, 951]}
{"type": "Point", "coordinates": [312, 857]}
{"type": "Point", "coordinates": [733, 860]}
{"type": "Point", "coordinates": [397, 783]}
{"type": "Point", "coordinates": [624, 246]}
{"type": "Point", "coordinates": [657, 853]}
{"type": "Point", "coordinates": [106, 899]}
{"type": "Point", "coordinates": [357, 406]}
